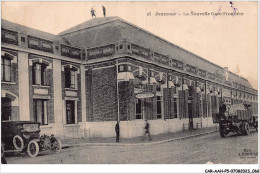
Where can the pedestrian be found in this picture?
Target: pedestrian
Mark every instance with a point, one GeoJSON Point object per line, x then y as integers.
{"type": "Point", "coordinates": [104, 10]}
{"type": "Point", "coordinates": [222, 109]}
{"type": "Point", "coordinates": [146, 128]}
{"type": "Point", "coordinates": [93, 12]}
{"type": "Point", "coordinates": [117, 129]}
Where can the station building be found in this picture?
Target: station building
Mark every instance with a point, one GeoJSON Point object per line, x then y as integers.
{"type": "Point", "coordinates": [80, 82]}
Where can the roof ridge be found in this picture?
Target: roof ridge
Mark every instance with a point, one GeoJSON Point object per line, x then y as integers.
{"type": "Point", "coordinates": [89, 23]}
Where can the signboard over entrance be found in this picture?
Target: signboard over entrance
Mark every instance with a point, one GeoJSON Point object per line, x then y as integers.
{"type": "Point", "coordinates": [144, 95]}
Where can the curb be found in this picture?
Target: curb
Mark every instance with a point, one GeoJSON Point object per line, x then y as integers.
{"type": "Point", "coordinates": [136, 144]}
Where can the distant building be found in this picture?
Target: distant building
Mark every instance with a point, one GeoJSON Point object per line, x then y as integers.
{"type": "Point", "coordinates": [80, 82]}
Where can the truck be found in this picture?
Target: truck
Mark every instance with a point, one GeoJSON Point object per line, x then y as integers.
{"type": "Point", "coordinates": [237, 119]}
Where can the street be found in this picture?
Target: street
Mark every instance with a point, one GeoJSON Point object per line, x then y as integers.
{"type": "Point", "coordinates": [210, 148]}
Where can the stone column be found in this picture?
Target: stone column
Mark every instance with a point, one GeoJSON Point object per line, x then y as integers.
{"type": "Point", "coordinates": [83, 93]}
{"type": "Point", "coordinates": [23, 71]}
{"type": "Point", "coordinates": [58, 104]}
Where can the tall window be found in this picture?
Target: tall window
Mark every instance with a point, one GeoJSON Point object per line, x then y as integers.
{"type": "Point", "coordinates": [40, 111]}
{"type": "Point", "coordinates": [5, 108]}
{"type": "Point", "coordinates": [70, 78]}
{"type": "Point", "coordinates": [6, 69]}
{"type": "Point", "coordinates": [39, 74]}
{"type": "Point", "coordinates": [159, 107]}
{"type": "Point", "coordinates": [175, 104]}
{"type": "Point", "coordinates": [70, 112]}
{"type": "Point", "coordinates": [138, 109]}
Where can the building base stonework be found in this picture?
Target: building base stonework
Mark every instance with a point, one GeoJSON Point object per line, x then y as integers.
{"type": "Point", "coordinates": [134, 128]}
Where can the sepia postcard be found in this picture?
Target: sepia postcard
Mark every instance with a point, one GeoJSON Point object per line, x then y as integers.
{"type": "Point", "coordinates": [128, 82]}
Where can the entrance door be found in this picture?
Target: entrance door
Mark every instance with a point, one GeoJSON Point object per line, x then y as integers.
{"type": "Point", "coordinates": [190, 114]}
{"type": "Point", "coordinates": [70, 112]}
{"type": "Point", "coordinates": [6, 108]}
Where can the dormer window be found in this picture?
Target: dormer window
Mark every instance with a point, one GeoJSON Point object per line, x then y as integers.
{"type": "Point", "coordinates": [39, 74]}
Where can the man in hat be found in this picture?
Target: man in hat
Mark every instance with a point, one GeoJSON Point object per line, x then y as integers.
{"type": "Point", "coordinates": [147, 131]}
{"type": "Point", "coordinates": [222, 109]}
{"type": "Point", "coordinates": [117, 129]}
{"type": "Point", "coordinates": [104, 10]}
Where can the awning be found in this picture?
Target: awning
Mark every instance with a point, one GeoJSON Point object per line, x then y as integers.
{"type": "Point", "coordinates": [198, 90]}
{"type": "Point", "coordinates": [185, 87]}
{"type": "Point", "coordinates": [125, 76]}
{"type": "Point", "coordinates": [153, 80]}
{"type": "Point", "coordinates": [170, 84]}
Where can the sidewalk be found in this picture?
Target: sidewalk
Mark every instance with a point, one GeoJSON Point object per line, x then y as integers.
{"type": "Point", "coordinates": [137, 141]}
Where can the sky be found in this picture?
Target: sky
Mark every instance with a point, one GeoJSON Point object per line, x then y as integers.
{"type": "Point", "coordinates": [226, 40]}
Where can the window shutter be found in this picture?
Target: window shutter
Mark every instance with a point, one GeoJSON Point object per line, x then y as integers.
{"type": "Point", "coordinates": [67, 78]}
{"type": "Point", "coordinates": [166, 102]}
{"type": "Point", "coordinates": [194, 105]}
{"type": "Point", "coordinates": [205, 106]}
{"type": "Point", "coordinates": [33, 74]}
{"type": "Point", "coordinates": [154, 104]}
{"type": "Point", "coordinates": [186, 95]}
{"type": "Point", "coordinates": [171, 103]}
{"type": "Point", "coordinates": [43, 74]}
{"type": "Point", "coordinates": [181, 104]}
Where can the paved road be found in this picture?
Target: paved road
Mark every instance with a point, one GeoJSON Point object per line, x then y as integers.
{"type": "Point", "coordinates": [197, 150]}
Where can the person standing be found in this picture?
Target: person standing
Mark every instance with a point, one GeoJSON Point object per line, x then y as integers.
{"type": "Point", "coordinates": [222, 109]}
{"type": "Point", "coordinates": [104, 10]}
{"type": "Point", "coordinates": [117, 129]}
{"type": "Point", "coordinates": [147, 131]}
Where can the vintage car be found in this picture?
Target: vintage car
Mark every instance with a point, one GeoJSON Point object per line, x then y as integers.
{"type": "Point", "coordinates": [21, 136]}
{"type": "Point", "coordinates": [238, 118]}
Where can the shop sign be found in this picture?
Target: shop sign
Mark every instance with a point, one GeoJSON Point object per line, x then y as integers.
{"type": "Point", "coordinates": [144, 95]}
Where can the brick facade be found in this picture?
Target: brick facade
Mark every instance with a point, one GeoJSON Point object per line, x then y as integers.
{"type": "Point", "coordinates": [142, 59]}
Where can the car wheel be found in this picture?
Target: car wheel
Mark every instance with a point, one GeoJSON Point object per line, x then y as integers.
{"type": "Point", "coordinates": [18, 142]}
{"type": "Point", "coordinates": [56, 146]}
{"type": "Point", "coordinates": [33, 149]}
{"type": "Point", "coordinates": [246, 128]}
{"type": "Point", "coordinates": [2, 150]}
{"type": "Point", "coordinates": [222, 130]}
{"type": "Point", "coordinates": [223, 134]}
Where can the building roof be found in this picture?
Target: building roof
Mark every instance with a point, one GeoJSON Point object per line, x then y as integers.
{"type": "Point", "coordinates": [33, 32]}
{"type": "Point", "coordinates": [90, 23]}
{"type": "Point", "coordinates": [105, 30]}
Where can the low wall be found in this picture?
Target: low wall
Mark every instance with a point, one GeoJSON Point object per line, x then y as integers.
{"type": "Point", "coordinates": [128, 129]}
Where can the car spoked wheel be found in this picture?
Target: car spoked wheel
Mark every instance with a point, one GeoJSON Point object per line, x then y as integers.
{"type": "Point", "coordinates": [33, 149]}
{"type": "Point", "coordinates": [222, 130]}
{"type": "Point", "coordinates": [223, 133]}
{"type": "Point", "coordinates": [56, 146]}
{"type": "Point", "coordinates": [246, 128]}
{"type": "Point", "coordinates": [18, 142]}
{"type": "Point", "coordinates": [2, 150]}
